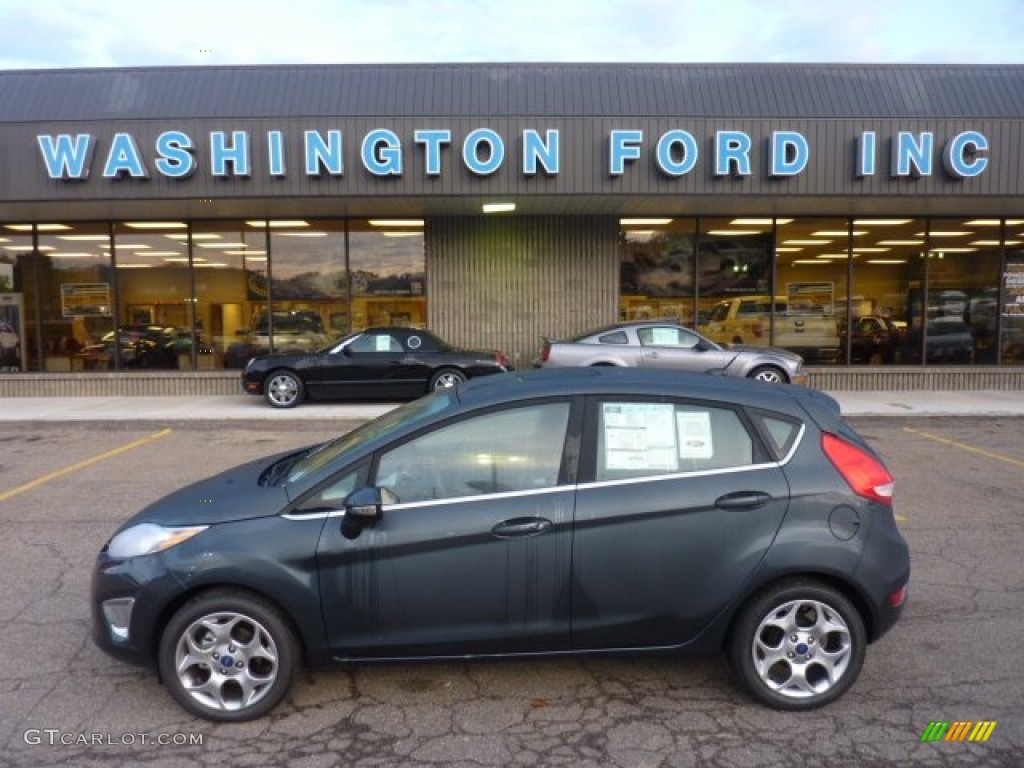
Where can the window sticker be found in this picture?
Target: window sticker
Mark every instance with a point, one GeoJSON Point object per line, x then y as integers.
{"type": "Point", "coordinates": [382, 343]}
{"type": "Point", "coordinates": [695, 435]}
{"type": "Point", "coordinates": [640, 436]}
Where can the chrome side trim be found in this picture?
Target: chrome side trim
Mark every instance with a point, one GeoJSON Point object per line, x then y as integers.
{"type": "Point", "coordinates": [314, 515]}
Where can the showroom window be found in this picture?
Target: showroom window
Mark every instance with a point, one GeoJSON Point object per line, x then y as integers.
{"type": "Point", "coordinates": [75, 294]}
{"type": "Point", "coordinates": [388, 274]}
{"type": "Point", "coordinates": [656, 269]}
{"type": "Point", "coordinates": [18, 305]}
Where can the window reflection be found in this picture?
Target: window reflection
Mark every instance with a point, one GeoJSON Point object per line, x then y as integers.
{"type": "Point", "coordinates": [388, 276]}
{"type": "Point", "coordinates": [657, 269]}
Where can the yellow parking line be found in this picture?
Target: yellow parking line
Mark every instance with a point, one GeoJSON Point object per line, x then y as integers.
{"type": "Point", "coordinates": [82, 464]}
{"type": "Point", "coordinates": [966, 447]}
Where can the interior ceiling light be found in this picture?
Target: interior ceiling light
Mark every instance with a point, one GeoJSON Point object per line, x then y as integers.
{"type": "Point", "coordinates": [788, 250]}
{"type": "Point", "coordinates": [869, 249]}
{"type": "Point", "coordinates": [396, 222]}
{"type": "Point", "coordinates": [810, 261]}
{"type": "Point", "coordinates": [245, 253]}
{"type": "Point", "coordinates": [156, 224]}
{"type": "Point", "coordinates": [839, 233]}
{"type": "Point", "coordinates": [195, 236]}
{"type": "Point", "coordinates": [944, 233]}
{"type": "Point", "coordinates": [995, 242]}
{"type": "Point", "coordinates": [85, 238]}
{"type": "Point", "coordinates": [759, 222]}
{"type": "Point", "coordinates": [727, 232]}
{"type": "Point", "coordinates": [279, 223]}
{"type": "Point", "coordinates": [158, 253]}
{"type": "Point", "coordinates": [992, 222]}
{"type": "Point", "coordinates": [222, 245]}
{"type": "Point", "coordinates": [402, 234]}
{"type": "Point", "coordinates": [880, 222]}
{"type": "Point", "coordinates": [39, 227]}
{"type": "Point", "coordinates": [901, 242]}
{"type": "Point", "coordinates": [806, 242]}
{"type": "Point", "coordinates": [887, 261]}
{"type": "Point", "coordinates": [644, 222]}
{"type": "Point", "coordinates": [499, 207]}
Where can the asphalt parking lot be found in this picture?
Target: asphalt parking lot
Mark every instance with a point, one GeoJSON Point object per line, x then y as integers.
{"type": "Point", "coordinates": [955, 656]}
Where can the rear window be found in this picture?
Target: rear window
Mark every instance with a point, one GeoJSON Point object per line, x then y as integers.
{"type": "Point", "coordinates": [619, 337]}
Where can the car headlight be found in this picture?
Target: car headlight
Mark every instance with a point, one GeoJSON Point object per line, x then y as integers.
{"type": "Point", "coordinates": [148, 539]}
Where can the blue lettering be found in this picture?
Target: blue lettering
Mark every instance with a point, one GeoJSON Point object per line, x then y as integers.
{"type": "Point", "coordinates": [237, 153]}
{"type": "Point", "coordinates": [471, 151]}
{"type": "Point", "coordinates": [124, 159]}
{"type": "Point", "coordinates": [623, 146]}
{"type": "Point", "coordinates": [545, 151]}
{"type": "Point", "coordinates": [382, 153]}
{"type": "Point", "coordinates": [790, 153]}
{"type": "Point", "coordinates": [732, 153]}
{"type": "Point", "coordinates": [275, 150]}
{"type": "Point", "coordinates": [665, 156]}
{"type": "Point", "coordinates": [66, 157]}
{"type": "Point", "coordinates": [962, 155]}
{"type": "Point", "coordinates": [323, 155]}
{"type": "Point", "coordinates": [176, 159]}
{"type": "Point", "coordinates": [866, 154]}
{"type": "Point", "coordinates": [432, 141]}
{"type": "Point", "coordinates": [910, 156]}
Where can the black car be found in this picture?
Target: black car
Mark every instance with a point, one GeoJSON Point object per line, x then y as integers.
{"type": "Point", "coordinates": [876, 340]}
{"type": "Point", "coordinates": [582, 510]}
{"type": "Point", "coordinates": [384, 362]}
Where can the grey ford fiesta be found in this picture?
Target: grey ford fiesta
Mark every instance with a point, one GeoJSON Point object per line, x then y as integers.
{"type": "Point", "coordinates": [583, 510]}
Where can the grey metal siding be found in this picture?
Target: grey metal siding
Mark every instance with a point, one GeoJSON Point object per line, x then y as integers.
{"type": "Point", "coordinates": [507, 281]}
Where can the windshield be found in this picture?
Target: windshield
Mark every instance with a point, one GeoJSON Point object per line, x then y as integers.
{"type": "Point", "coordinates": [325, 454]}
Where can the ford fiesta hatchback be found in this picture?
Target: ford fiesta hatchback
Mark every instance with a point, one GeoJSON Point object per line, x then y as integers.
{"type": "Point", "coordinates": [567, 511]}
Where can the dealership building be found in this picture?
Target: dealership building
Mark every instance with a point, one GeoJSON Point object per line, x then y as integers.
{"type": "Point", "coordinates": [163, 224]}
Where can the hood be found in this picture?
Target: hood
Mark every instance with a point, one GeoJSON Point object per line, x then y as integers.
{"type": "Point", "coordinates": [232, 495]}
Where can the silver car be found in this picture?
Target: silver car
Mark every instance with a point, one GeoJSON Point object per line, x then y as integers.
{"type": "Point", "coordinates": [664, 344]}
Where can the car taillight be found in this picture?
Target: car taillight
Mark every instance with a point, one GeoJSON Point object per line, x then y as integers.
{"type": "Point", "coordinates": [545, 352]}
{"type": "Point", "coordinates": [865, 474]}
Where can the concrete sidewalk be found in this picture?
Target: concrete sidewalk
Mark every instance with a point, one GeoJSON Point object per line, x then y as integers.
{"type": "Point", "coordinates": [247, 408]}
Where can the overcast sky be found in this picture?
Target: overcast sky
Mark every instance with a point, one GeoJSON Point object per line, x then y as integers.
{"type": "Point", "coordinates": [43, 34]}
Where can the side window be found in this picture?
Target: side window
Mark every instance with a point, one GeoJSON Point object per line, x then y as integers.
{"type": "Point", "coordinates": [666, 336]}
{"type": "Point", "coordinates": [780, 433]}
{"type": "Point", "coordinates": [618, 337]}
{"type": "Point", "coordinates": [332, 495]}
{"type": "Point", "coordinates": [641, 439]}
{"type": "Point", "coordinates": [719, 314]}
{"type": "Point", "coordinates": [512, 450]}
{"type": "Point", "coordinates": [376, 342]}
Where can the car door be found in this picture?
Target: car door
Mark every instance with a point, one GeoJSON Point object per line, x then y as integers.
{"type": "Point", "coordinates": [678, 506]}
{"type": "Point", "coordinates": [370, 364]}
{"type": "Point", "coordinates": [475, 555]}
{"type": "Point", "coordinates": [676, 348]}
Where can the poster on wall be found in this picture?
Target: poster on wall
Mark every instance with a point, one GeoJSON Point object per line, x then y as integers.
{"type": "Point", "coordinates": [12, 332]}
{"type": "Point", "coordinates": [85, 299]}
{"type": "Point", "coordinates": [1013, 285]}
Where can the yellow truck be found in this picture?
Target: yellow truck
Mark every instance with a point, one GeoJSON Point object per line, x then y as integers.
{"type": "Point", "coordinates": [810, 331]}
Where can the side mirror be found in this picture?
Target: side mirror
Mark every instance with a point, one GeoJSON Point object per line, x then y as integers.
{"type": "Point", "coordinates": [366, 504]}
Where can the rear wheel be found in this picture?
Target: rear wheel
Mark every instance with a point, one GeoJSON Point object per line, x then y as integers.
{"type": "Point", "coordinates": [283, 389]}
{"type": "Point", "coordinates": [445, 378]}
{"type": "Point", "coordinates": [228, 656]}
{"type": "Point", "coordinates": [768, 373]}
{"type": "Point", "coordinates": [798, 645]}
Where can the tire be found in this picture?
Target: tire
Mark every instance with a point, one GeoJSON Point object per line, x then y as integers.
{"type": "Point", "coordinates": [228, 656]}
{"type": "Point", "coordinates": [283, 389]}
{"type": "Point", "coordinates": [446, 378]}
{"type": "Point", "coordinates": [768, 373]}
{"type": "Point", "coordinates": [797, 645]}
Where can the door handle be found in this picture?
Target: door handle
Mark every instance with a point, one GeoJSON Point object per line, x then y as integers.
{"type": "Point", "coordinates": [743, 500]}
{"type": "Point", "coordinates": [650, 354]}
{"type": "Point", "coordinates": [519, 527]}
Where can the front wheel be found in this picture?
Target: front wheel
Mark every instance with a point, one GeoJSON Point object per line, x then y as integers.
{"type": "Point", "coordinates": [228, 656]}
{"type": "Point", "coordinates": [768, 373]}
{"type": "Point", "coordinates": [798, 645]}
{"type": "Point", "coordinates": [446, 378]}
{"type": "Point", "coordinates": [283, 389]}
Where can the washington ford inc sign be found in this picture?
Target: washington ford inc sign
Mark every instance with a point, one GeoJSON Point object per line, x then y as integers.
{"type": "Point", "coordinates": [483, 152]}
